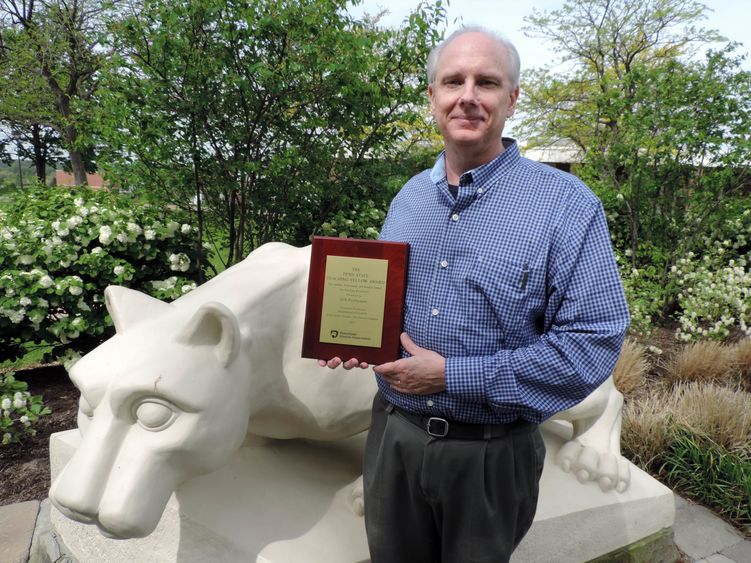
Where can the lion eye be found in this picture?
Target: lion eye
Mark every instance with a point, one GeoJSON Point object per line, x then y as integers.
{"type": "Point", "coordinates": [154, 415]}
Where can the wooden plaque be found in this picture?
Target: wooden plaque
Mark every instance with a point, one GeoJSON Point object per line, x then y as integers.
{"type": "Point", "coordinates": [355, 300]}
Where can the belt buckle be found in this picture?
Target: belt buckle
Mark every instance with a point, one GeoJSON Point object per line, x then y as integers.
{"type": "Point", "coordinates": [443, 427]}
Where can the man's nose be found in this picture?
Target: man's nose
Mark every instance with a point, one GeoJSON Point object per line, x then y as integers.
{"type": "Point", "coordinates": [468, 93]}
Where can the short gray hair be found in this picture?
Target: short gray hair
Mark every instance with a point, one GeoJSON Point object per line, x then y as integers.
{"type": "Point", "coordinates": [511, 52]}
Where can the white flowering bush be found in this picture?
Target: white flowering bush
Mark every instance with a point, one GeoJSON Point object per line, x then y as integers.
{"type": "Point", "coordinates": [364, 221]}
{"type": "Point", "coordinates": [19, 410]}
{"type": "Point", "coordinates": [714, 294]}
{"type": "Point", "coordinates": [60, 248]}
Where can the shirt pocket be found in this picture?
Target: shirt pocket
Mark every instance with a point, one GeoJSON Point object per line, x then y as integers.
{"type": "Point", "coordinates": [511, 295]}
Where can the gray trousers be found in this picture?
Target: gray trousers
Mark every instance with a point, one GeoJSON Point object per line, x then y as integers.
{"type": "Point", "coordinates": [439, 500]}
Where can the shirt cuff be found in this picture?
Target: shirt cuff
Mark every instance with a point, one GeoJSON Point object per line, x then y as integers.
{"type": "Point", "coordinates": [486, 379]}
{"type": "Point", "coordinates": [465, 379]}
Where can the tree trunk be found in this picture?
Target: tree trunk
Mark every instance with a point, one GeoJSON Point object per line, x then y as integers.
{"type": "Point", "coordinates": [40, 157]}
{"type": "Point", "coordinates": [76, 158]}
{"type": "Point", "coordinates": [70, 135]}
{"type": "Point", "coordinates": [197, 182]}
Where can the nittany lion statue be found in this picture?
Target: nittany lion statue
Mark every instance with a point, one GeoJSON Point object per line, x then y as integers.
{"type": "Point", "coordinates": [182, 386]}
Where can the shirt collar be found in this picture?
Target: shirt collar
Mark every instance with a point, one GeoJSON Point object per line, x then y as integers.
{"type": "Point", "coordinates": [485, 171]}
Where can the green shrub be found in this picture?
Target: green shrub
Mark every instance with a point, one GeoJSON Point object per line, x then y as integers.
{"type": "Point", "coordinates": [364, 221]}
{"type": "Point", "coordinates": [19, 409]}
{"type": "Point", "coordinates": [60, 248]}
{"type": "Point", "coordinates": [644, 294]}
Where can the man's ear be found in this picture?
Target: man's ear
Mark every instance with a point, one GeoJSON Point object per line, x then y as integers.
{"type": "Point", "coordinates": [514, 98]}
{"type": "Point", "coordinates": [430, 97]}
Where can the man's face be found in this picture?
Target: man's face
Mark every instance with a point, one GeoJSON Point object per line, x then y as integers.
{"type": "Point", "coordinates": [472, 95]}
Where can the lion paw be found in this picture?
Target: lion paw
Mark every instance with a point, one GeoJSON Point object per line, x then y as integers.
{"type": "Point", "coordinates": [610, 471]}
{"type": "Point", "coordinates": [356, 498]}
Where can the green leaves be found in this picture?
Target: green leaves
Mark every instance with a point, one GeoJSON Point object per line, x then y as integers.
{"type": "Point", "coordinates": [665, 136]}
{"type": "Point", "coordinates": [19, 410]}
{"type": "Point", "coordinates": [48, 74]}
{"type": "Point", "coordinates": [274, 114]}
{"type": "Point", "coordinates": [61, 248]}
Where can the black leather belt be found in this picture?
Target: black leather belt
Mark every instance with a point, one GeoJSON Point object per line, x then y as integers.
{"type": "Point", "coordinates": [441, 428]}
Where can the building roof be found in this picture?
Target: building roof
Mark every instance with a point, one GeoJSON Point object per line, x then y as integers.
{"type": "Point", "coordinates": [561, 151]}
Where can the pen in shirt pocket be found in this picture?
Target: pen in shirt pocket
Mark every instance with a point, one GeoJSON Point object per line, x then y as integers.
{"type": "Point", "coordinates": [525, 277]}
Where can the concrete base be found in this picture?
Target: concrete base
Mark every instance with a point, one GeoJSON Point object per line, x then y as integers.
{"type": "Point", "coordinates": [577, 522]}
{"type": "Point", "coordinates": [286, 501]}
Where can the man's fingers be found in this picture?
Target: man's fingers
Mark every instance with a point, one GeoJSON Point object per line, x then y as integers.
{"type": "Point", "coordinates": [334, 363]}
{"type": "Point", "coordinates": [351, 363]}
{"type": "Point", "coordinates": [386, 370]}
{"type": "Point", "coordinates": [408, 344]}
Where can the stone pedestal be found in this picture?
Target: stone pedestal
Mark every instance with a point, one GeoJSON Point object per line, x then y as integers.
{"type": "Point", "coordinates": [577, 522]}
{"type": "Point", "coordinates": [285, 501]}
{"type": "Point", "coordinates": [281, 502]}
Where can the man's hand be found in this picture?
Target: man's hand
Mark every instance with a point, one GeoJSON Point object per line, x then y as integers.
{"type": "Point", "coordinates": [421, 374]}
{"type": "Point", "coordinates": [336, 362]}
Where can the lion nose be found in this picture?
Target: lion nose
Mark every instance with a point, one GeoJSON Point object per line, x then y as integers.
{"type": "Point", "coordinates": [79, 486]}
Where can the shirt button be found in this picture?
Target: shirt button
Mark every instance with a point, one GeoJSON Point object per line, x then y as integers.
{"type": "Point", "coordinates": [455, 217]}
{"type": "Point", "coordinates": [430, 402]}
{"type": "Point", "coordinates": [444, 264]}
{"type": "Point", "coordinates": [434, 312]}
{"type": "Point", "coordinates": [480, 190]}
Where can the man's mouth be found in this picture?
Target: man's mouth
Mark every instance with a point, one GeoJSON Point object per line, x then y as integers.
{"type": "Point", "coordinates": [468, 118]}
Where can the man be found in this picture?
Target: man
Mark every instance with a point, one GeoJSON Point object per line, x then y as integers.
{"type": "Point", "coordinates": [514, 311]}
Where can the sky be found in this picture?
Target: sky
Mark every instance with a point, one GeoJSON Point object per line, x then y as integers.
{"type": "Point", "coordinates": [731, 18]}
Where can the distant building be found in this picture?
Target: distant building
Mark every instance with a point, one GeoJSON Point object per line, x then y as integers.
{"type": "Point", "coordinates": [560, 154]}
{"type": "Point", "coordinates": [63, 178]}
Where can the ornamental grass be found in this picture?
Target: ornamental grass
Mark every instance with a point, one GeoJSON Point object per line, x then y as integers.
{"type": "Point", "coordinates": [710, 474]}
{"type": "Point", "coordinates": [697, 437]}
{"type": "Point", "coordinates": [644, 435]}
{"type": "Point", "coordinates": [742, 351]}
{"type": "Point", "coordinates": [722, 414]}
{"type": "Point", "coordinates": [631, 369]}
{"type": "Point", "coordinates": [702, 362]}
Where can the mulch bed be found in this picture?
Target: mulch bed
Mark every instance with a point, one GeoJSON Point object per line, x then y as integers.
{"type": "Point", "coordinates": [25, 467]}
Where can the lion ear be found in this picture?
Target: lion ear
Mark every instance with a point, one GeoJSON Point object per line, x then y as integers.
{"type": "Point", "coordinates": [214, 325]}
{"type": "Point", "coordinates": [129, 307]}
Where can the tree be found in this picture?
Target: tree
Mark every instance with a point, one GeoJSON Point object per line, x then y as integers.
{"type": "Point", "coordinates": [50, 60]}
{"type": "Point", "coordinates": [38, 144]}
{"type": "Point", "coordinates": [264, 117]}
{"type": "Point", "coordinates": [25, 103]}
{"type": "Point", "coordinates": [665, 136]}
{"type": "Point", "coordinates": [600, 42]}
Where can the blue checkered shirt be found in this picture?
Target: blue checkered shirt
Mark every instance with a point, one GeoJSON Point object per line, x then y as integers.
{"type": "Point", "coordinates": [514, 282]}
